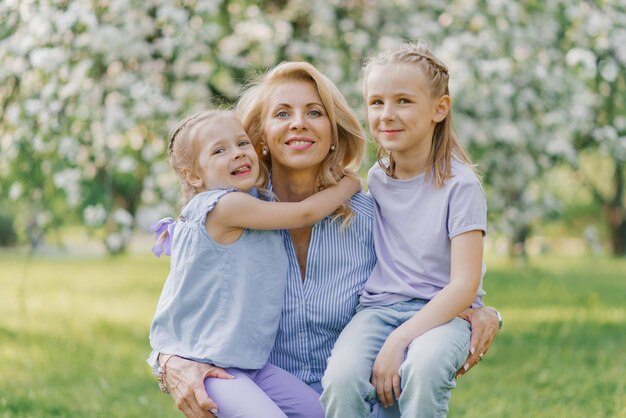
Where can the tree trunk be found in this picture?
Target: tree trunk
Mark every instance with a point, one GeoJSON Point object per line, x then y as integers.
{"type": "Point", "coordinates": [617, 213]}
{"type": "Point", "coordinates": [617, 222]}
{"type": "Point", "coordinates": [518, 248]}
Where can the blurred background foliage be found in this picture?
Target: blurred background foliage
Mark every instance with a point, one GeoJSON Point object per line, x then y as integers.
{"type": "Point", "coordinates": [89, 89]}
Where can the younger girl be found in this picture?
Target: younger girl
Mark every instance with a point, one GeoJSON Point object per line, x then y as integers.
{"type": "Point", "coordinates": [222, 299]}
{"type": "Point", "coordinates": [406, 342]}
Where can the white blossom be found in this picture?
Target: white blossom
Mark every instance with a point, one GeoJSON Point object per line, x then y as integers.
{"type": "Point", "coordinates": [48, 59]}
{"type": "Point", "coordinates": [115, 242]}
{"type": "Point", "coordinates": [94, 215]}
{"type": "Point", "coordinates": [15, 191]}
{"type": "Point", "coordinates": [126, 164]}
{"type": "Point", "coordinates": [584, 57]}
{"type": "Point", "coordinates": [103, 85]}
{"type": "Point", "coordinates": [122, 217]}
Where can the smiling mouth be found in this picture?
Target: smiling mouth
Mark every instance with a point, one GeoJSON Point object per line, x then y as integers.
{"type": "Point", "coordinates": [244, 169]}
{"type": "Point", "coordinates": [390, 131]}
{"type": "Point", "coordinates": [299, 142]}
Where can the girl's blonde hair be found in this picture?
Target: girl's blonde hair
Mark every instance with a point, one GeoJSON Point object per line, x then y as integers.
{"type": "Point", "coordinates": [347, 136]}
{"type": "Point", "coordinates": [183, 149]}
{"type": "Point", "coordinates": [445, 145]}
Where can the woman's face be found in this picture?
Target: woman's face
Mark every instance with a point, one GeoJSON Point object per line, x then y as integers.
{"type": "Point", "coordinates": [297, 130]}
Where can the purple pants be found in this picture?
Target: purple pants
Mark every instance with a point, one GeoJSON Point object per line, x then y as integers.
{"type": "Point", "coordinates": [268, 392]}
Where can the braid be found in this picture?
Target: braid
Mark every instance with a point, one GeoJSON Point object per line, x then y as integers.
{"type": "Point", "coordinates": [435, 64]}
{"type": "Point", "coordinates": [177, 129]}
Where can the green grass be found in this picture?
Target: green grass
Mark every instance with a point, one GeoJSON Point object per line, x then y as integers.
{"type": "Point", "coordinates": [74, 337]}
{"type": "Point", "coordinates": [562, 350]}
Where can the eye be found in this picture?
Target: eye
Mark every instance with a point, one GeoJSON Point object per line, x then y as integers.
{"type": "Point", "coordinates": [244, 143]}
{"type": "Point", "coordinates": [282, 114]}
{"type": "Point", "coordinates": [218, 151]}
{"type": "Point", "coordinates": [375, 102]}
{"type": "Point", "coordinates": [315, 113]}
{"type": "Point", "coordinates": [404, 101]}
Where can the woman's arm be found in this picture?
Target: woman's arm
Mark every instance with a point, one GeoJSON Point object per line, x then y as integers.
{"type": "Point", "coordinates": [184, 379]}
{"type": "Point", "coordinates": [465, 274]}
{"type": "Point", "coordinates": [240, 210]}
{"type": "Point", "coordinates": [485, 326]}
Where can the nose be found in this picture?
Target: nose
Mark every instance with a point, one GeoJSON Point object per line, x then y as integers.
{"type": "Point", "coordinates": [298, 121]}
{"type": "Point", "coordinates": [239, 153]}
{"type": "Point", "coordinates": [387, 115]}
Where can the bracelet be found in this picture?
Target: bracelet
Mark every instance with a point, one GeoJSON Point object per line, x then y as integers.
{"type": "Point", "coordinates": [499, 315]}
{"type": "Point", "coordinates": [161, 373]}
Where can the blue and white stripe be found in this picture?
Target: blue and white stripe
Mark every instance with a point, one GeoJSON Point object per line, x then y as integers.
{"type": "Point", "coordinates": [317, 309]}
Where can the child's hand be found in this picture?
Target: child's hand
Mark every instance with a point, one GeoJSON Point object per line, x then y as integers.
{"type": "Point", "coordinates": [385, 373]}
{"type": "Point", "coordinates": [353, 180]}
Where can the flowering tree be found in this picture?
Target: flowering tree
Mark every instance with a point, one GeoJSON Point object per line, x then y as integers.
{"type": "Point", "coordinates": [88, 90]}
{"type": "Point", "coordinates": [595, 41]}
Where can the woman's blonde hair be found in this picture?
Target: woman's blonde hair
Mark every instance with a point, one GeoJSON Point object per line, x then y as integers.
{"type": "Point", "coordinates": [445, 145]}
{"type": "Point", "coordinates": [183, 149]}
{"type": "Point", "coordinates": [347, 135]}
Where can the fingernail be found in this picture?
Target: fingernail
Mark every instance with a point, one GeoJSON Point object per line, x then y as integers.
{"type": "Point", "coordinates": [213, 411]}
{"type": "Point", "coordinates": [473, 350]}
{"type": "Point", "coordinates": [466, 366]}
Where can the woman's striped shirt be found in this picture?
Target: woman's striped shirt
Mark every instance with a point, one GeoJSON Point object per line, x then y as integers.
{"type": "Point", "coordinates": [317, 309]}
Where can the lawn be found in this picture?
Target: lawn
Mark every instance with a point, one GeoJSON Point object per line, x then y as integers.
{"type": "Point", "coordinates": [74, 337]}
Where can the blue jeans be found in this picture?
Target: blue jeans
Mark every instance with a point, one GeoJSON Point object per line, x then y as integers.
{"type": "Point", "coordinates": [427, 373]}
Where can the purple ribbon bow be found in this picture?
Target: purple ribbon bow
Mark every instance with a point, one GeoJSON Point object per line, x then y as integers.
{"type": "Point", "coordinates": [164, 231]}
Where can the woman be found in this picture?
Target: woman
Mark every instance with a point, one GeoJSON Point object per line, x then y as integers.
{"type": "Point", "coordinates": [306, 134]}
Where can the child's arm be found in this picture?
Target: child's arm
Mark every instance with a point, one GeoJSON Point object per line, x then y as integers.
{"type": "Point", "coordinates": [465, 273]}
{"type": "Point", "coordinates": [240, 210]}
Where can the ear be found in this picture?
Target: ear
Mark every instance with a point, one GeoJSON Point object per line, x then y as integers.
{"type": "Point", "coordinates": [193, 178]}
{"type": "Point", "coordinates": [442, 108]}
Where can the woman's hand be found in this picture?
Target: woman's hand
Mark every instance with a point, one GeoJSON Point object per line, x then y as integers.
{"type": "Point", "coordinates": [185, 380]}
{"type": "Point", "coordinates": [385, 373]}
{"type": "Point", "coordinates": [485, 327]}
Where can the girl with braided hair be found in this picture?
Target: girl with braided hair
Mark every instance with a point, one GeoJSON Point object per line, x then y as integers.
{"type": "Point", "coordinates": [222, 300]}
{"type": "Point", "coordinates": [406, 341]}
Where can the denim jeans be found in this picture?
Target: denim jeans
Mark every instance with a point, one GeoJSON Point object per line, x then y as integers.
{"type": "Point", "coordinates": [427, 373]}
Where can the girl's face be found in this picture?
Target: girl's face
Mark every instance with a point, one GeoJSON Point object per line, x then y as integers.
{"type": "Point", "coordinates": [401, 113]}
{"type": "Point", "coordinates": [226, 156]}
{"type": "Point", "coordinates": [297, 130]}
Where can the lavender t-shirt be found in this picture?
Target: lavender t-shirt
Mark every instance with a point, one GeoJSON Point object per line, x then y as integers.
{"type": "Point", "coordinates": [414, 224]}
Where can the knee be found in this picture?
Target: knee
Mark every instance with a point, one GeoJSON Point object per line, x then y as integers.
{"type": "Point", "coordinates": [427, 368]}
{"type": "Point", "coordinates": [346, 376]}
{"type": "Point", "coordinates": [345, 391]}
{"type": "Point", "coordinates": [439, 354]}
{"type": "Point", "coordinates": [430, 369]}
{"type": "Point", "coordinates": [432, 363]}
{"type": "Point", "coordinates": [339, 374]}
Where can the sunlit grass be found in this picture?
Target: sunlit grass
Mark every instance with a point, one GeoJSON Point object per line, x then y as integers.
{"type": "Point", "coordinates": [74, 337]}
{"type": "Point", "coordinates": [561, 352]}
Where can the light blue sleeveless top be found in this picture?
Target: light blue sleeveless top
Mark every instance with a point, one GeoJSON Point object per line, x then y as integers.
{"type": "Point", "coordinates": [221, 304]}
